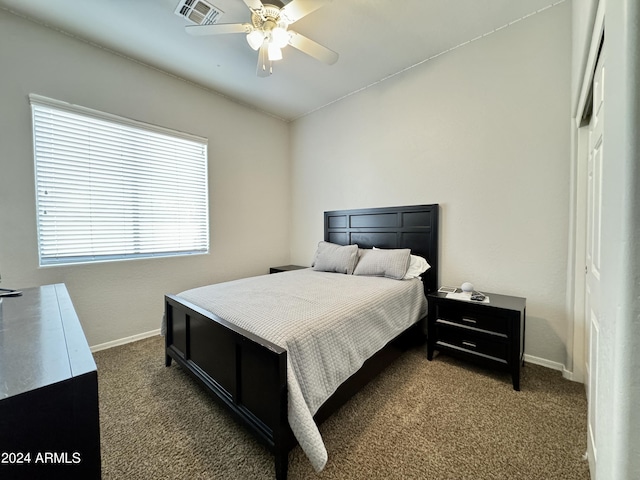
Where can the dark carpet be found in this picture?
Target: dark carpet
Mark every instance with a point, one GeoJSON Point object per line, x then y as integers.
{"type": "Point", "coordinates": [443, 419]}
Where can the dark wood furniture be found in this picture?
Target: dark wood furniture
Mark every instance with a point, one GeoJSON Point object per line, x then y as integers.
{"type": "Point", "coordinates": [49, 425]}
{"type": "Point", "coordinates": [491, 334]}
{"type": "Point", "coordinates": [285, 268]}
{"type": "Point", "coordinates": [248, 374]}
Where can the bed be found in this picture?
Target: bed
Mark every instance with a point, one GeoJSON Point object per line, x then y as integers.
{"type": "Point", "coordinates": [258, 379]}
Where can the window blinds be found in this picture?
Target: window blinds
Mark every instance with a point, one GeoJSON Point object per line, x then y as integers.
{"type": "Point", "coordinates": [110, 188]}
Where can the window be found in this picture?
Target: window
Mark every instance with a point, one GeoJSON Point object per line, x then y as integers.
{"type": "Point", "coordinates": [109, 188]}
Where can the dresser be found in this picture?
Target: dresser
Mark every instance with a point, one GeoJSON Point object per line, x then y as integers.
{"type": "Point", "coordinates": [49, 424]}
{"type": "Point", "coordinates": [490, 334]}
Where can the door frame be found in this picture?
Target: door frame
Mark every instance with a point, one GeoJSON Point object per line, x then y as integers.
{"type": "Point", "coordinates": [576, 278]}
{"type": "Point", "coordinates": [578, 354]}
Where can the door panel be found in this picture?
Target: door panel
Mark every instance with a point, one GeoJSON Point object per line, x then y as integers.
{"type": "Point", "coordinates": [593, 255]}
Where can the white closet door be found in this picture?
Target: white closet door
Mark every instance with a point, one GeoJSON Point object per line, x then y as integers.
{"type": "Point", "coordinates": [593, 249]}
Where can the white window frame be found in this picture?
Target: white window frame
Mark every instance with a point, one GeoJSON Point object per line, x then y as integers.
{"type": "Point", "coordinates": [111, 188]}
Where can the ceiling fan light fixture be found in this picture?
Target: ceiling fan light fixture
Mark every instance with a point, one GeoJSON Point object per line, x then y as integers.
{"type": "Point", "coordinates": [280, 37]}
{"type": "Point", "coordinates": [255, 39]}
{"type": "Point", "coordinates": [274, 52]}
{"type": "Point", "coordinates": [268, 32]}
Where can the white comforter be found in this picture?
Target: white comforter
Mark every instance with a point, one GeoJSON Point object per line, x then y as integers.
{"type": "Point", "coordinates": [329, 323]}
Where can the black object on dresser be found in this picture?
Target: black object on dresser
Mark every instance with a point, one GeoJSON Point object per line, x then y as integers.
{"type": "Point", "coordinates": [285, 268]}
{"type": "Point", "coordinates": [491, 334]}
{"type": "Point", "coordinates": [49, 424]}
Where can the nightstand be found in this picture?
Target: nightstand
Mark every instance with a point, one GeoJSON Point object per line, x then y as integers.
{"type": "Point", "coordinates": [285, 268]}
{"type": "Point", "coordinates": [491, 334]}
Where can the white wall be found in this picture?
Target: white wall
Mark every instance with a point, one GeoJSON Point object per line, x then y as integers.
{"type": "Point", "coordinates": [618, 431]}
{"type": "Point", "coordinates": [484, 132]}
{"type": "Point", "coordinates": [249, 195]}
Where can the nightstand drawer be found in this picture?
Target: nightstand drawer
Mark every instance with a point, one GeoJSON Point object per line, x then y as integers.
{"type": "Point", "coordinates": [471, 342]}
{"type": "Point", "coordinates": [474, 315]}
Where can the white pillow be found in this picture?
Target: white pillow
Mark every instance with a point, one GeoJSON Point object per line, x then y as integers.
{"type": "Point", "coordinates": [417, 266]}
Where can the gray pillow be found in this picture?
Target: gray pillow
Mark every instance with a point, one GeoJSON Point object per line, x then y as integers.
{"type": "Point", "coordinates": [331, 257]}
{"type": "Point", "coordinates": [383, 263]}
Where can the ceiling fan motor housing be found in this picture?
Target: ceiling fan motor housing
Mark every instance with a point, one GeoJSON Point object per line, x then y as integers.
{"type": "Point", "coordinates": [268, 18]}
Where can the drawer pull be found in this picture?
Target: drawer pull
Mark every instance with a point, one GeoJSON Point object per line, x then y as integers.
{"type": "Point", "coordinates": [469, 320]}
{"type": "Point", "coordinates": [469, 344]}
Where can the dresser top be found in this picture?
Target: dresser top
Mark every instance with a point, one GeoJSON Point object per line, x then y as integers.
{"type": "Point", "coordinates": [41, 340]}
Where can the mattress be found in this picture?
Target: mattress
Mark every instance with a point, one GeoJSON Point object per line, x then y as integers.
{"type": "Point", "coordinates": [329, 323]}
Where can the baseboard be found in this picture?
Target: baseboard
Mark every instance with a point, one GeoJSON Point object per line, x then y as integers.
{"type": "Point", "coordinates": [569, 375]}
{"type": "Point", "coordinates": [122, 341]}
{"type": "Point", "coordinates": [544, 362]}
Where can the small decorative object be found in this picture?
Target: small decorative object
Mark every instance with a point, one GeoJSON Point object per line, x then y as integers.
{"type": "Point", "coordinates": [445, 289]}
{"type": "Point", "coordinates": [467, 287]}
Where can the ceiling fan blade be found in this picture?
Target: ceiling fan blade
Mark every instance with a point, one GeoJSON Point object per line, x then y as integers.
{"type": "Point", "coordinates": [264, 64]}
{"type": "Point", "coordinates": [296, 9]}
{"type": "Point", "coordinates": [312, 48]}
{"type": "Point", "coordinates": [253, 4]}
{"type": "Point", "coordinates": [218, 28]}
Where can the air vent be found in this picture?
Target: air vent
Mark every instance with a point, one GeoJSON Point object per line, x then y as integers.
{"type": "Point", "coordinates": [198, 12]}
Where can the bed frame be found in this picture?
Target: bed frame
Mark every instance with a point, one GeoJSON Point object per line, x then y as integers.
{"type": "Point", "coordinates": [248, 374]}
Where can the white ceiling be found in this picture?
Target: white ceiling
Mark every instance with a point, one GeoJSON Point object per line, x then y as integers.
{"type": "Point", "coordinates": [375, 39]}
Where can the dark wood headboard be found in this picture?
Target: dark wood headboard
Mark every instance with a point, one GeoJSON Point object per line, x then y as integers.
{"type": "Point", "coordinates": [414, 227]}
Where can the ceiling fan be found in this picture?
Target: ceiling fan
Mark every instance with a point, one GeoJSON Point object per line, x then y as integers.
{"type": "Point", "coordinates": [268, 33]}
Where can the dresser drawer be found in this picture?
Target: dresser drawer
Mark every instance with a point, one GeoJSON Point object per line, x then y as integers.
{"type": "Point", "coordinates": [476, 316]}
{"type": "Point", "coordinates": [473, 342]}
